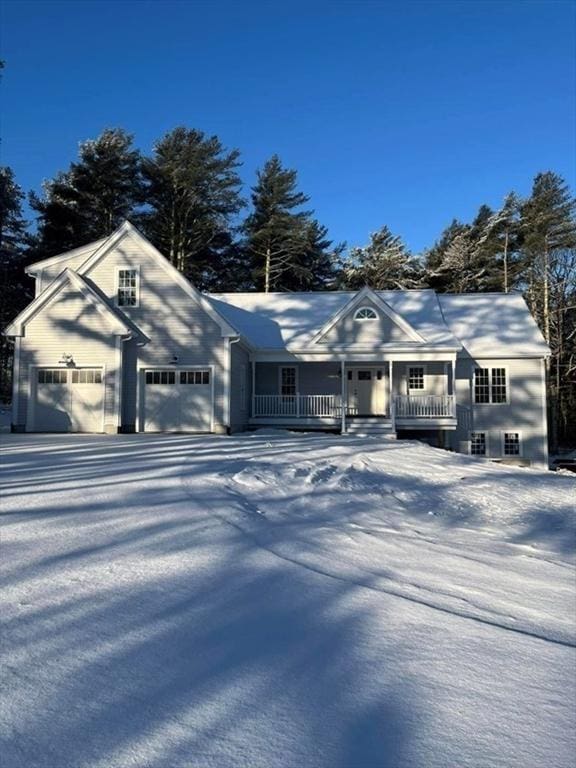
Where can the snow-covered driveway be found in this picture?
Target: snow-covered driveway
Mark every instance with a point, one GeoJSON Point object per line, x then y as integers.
{"type": "Point", "coordinates": [276, 601]}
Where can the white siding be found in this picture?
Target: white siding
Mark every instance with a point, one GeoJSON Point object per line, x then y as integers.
{"type": "Point", "coordinates": [175, 324]}
{"type": "Point", "coordinates": [523, 413]}
{"type": "Point", "coordinates": [350, 331]}
{"type": "Point", "coordinates": [68, 325]}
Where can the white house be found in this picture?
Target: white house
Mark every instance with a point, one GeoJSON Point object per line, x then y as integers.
{"type": "Point", "coordinates": [117, 340]}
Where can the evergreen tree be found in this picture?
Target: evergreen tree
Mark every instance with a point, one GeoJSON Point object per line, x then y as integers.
{"type": "Point", "coordinates": [277, 233]}
{"type": "Point", "coordinates": [192, 193]}
{"type": "Point", "coordinates": [504, 231]}
{"type": "Point", "coordinates": [435, 276]}
{"type": "Point", "coordinates": [384, 263]}
{"type": "Point", "coordinates": [548, 230]}
{"type": "Point", "coordinates": [16, 291]}
{"type": "Point", "coordinates": [319, 263]}
{"type": "Point", "coordinates": [91, 198]}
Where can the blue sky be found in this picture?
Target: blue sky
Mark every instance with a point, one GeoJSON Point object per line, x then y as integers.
{"type": "Point", "coordinates": [397, 113]}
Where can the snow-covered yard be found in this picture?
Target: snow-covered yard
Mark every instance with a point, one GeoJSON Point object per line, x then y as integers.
{"type": "Point", "coordinates": [282, 601]}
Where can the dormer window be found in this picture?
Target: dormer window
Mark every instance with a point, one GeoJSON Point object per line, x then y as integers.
{"type": "Point", "coordinates": [128, 287]}
{"type": "Point", "coordinates": [365, 313]}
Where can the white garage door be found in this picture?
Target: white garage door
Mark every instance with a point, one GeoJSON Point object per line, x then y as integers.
{"type": "Point", "coordinates": [177, 400]}
{"type": "Point", "coordinates": [68, 400]}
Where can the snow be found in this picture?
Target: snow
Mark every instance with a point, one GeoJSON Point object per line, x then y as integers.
{"type": "Point", "coordinates": [493, 323]}
{"type": "Point", "coordinates": [283, 601]}
{"type": "Point", "coordinates": [276, 320]}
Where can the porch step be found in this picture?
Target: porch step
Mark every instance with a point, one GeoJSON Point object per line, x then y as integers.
{"type": "Point", "coordinates": [367, 426]}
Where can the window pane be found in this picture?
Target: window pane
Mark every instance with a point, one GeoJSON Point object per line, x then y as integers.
{"type": "Point", "coordinates": [364, 375]}
{"type": "Point", "coordinates": [478, 444]}
{"type": "Point", "coordinates": [498, 385]}
{"type": "Point", "coordinates": [288, 381]}
{"type": "Point", "coordinates": [511, 444]}
{"type": "Point", "coordinates": [481, 385]}
{"type": "Point", "coordinates": [127, 287]}
{"type": "Point", "coordinates": [416, 377]}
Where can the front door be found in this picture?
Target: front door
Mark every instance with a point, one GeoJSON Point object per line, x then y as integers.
{"type": "Point", "coordinates": [366, 392]}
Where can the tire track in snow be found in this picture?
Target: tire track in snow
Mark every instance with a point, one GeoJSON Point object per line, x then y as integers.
{"type": "Point", "coordinates": [231, 498]}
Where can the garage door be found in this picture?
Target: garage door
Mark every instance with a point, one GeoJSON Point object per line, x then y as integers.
{"type": "Point", "coordinates": [68, 400]}
{"type": "Point", "coordinates": [177, 400]}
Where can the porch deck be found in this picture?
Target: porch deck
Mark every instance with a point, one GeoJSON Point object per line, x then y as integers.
{"type": "Point", "coordinates": [325, 411]}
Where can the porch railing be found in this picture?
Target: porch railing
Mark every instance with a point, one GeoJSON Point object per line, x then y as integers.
{"type": "Point", "coordinates": [424, 406]}
{"type": "Point", "coordinates": [296, 405]}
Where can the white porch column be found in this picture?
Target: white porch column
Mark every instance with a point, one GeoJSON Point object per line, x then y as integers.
{"type": "Point", "coordinates": [343, 390]}
{"type": "Point", "coordinates": [391, 394]}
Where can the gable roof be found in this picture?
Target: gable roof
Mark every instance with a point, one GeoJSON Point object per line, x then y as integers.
{"type": "Point", "coordinates": [280, 320]}
{"type": "Point", "coordinates": [38, 266]}
{"type": "Point", "coordinates": [129, 230]}
{"type": "Point", "coordinates": [119, 325]}
{"type": "Point", "coordinates": [97, 250]}
{"type": "Point", "coordinates": [498, 324]}
{"type": "Point", "coordinates": [362, 296]}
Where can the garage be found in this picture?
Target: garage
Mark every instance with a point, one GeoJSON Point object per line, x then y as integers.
{"type": "Point", "coordinates": [67, 400]}
{"type": "Point", "coordinates": [178, 400]}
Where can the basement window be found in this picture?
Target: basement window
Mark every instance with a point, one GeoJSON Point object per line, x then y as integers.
{"type": "Point", "coordinates": [511, 444]}
{"type": "Point", "coordinates": [478, 443]}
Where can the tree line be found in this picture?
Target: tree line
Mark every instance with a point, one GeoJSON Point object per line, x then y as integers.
{"type": "Point", "coordinates": [187, 197]}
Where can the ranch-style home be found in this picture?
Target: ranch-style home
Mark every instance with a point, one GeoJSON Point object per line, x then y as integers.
{"type": "Point", "coordinates": [117, 340]}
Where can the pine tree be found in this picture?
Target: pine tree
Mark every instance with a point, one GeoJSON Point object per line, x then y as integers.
{"type": "Point", "coordinates": [319, 263]}
{"type": "Point", "coordinates": [91, 198]}
{"type": "Point", "coordinates": [504, 231]}
{"type": "Point", "coordinates": [436, 276]}
{"type": "Point", "coordinates": [548, 227]}
{"type": "Point", "coordinates": [192, 193]}
{"type": "Point", "coordinates": [548, 230]}
{"type": "Point", "coordinates": [276, 231]}
{"type": "Point", "coordinates": [384, 263]}
{"type": "Point", "coordinates": [16, 291]}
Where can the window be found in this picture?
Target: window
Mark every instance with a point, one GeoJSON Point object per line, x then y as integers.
{"type": "Point", "coordinates": [416, 377]}
{"type": "Point", "coordinates": [160, 377]}
{"type": "Point", "coordinates": [288, 381]}
{"type": "Point", "coordinates": [365, 313]}
{"type": "Point", "coordinates": [490, 385]}
{"type": "Point", "coordinates": [511, 444]}
{"type": "Point", "coordinates": [128, 280]}
{"type": "Point", "coordinates": [364, 375]}
{"type": "Point", "coordinates": [478, 443]}
{"type": "Point", "coordinates": [87, 376]}
{"type": "Point", "coordinates": [52, 376]}
{"type": "Point", "coordinates": [194, 377]}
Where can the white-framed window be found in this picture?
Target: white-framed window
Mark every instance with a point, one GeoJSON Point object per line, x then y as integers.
{"type": "Point", "coordinates": [160, 377]}
{"type": "Point", "coordinates": [511, 443]}
{"type": "Point", "coordinates": [478, 444]}
{"type": "Point", "coordinates": [365, 313]}
{"type": "Point", "coordinates": [52, 375]}
{"type": "Point", "coordinates": [415, 376]}
{"type": "Point", "coordinates": [194, 377]}
{"type": "Point", "coordinates": [87, 376]}
{"type": "Point", "coordinates": [127, 287]}
{"type": "Point", "coordinates": [490, 385]}
{"type": "Point", "coordinates": [288, 383]}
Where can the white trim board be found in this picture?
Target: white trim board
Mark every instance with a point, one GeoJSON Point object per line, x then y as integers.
{"type": "Point", "coordinates": [363, 295]}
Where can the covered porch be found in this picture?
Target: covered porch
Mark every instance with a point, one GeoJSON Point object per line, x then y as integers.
{"type": "Point", "coordinates": [337, 394]}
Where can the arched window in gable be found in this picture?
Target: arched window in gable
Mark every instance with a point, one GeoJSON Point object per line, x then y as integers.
{"type": "Point", "coordinates": [365, 313]}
